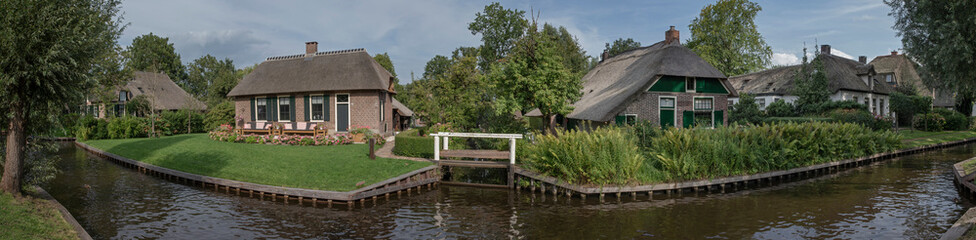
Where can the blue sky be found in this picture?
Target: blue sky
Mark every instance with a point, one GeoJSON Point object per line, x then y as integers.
{"type": "Point", "coordinates": [414, 31]}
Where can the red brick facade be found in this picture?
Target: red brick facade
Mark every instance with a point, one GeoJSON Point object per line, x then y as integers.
{"type": "Point", "coordinates": [364, 109]}
{"type": "Point", "coordinates": [646, 106]}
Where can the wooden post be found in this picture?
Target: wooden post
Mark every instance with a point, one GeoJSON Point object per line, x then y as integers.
{"type": "Point", "coordinates": [437, 148]}
{"type": "Point", "coordinates": [372, 152]}
{"type": "Point", "coordinates": [446, 143]}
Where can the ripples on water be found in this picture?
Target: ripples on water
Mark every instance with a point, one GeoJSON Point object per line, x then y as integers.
{"type": "Point", "coordinates": [909, 198]}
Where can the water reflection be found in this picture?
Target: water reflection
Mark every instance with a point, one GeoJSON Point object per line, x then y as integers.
{"type": "Point", "coordinates": [911, 197]}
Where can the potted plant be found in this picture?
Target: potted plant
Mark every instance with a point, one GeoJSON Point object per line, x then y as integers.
{"type": "Point", "coordinates": [359, 133]}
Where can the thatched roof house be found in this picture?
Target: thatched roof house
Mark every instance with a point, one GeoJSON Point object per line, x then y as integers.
{"type": "Point", "coordinates": [336, 89]}
{"type": "Point", "coordinates": [633, 84]}
{"type": "Point", "coordinates": [898, 70]}
{"type": "Point", "coordinates": [163, 95]}
{"type": "Point", "coordinates": [847, 80]}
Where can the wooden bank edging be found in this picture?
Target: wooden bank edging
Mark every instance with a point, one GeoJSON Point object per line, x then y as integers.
{"type": "Point", "coordinates": [964, 183]}
{"type": "Point", "coordinates": [415, 179]}
{"type": "Point", "coordinates": [560, 187]}
{"type": "Point", "coordinates": [79, 230]}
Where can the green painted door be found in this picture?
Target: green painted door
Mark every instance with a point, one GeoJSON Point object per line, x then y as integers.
{"type": "Point", "coordinates": [667, 118]}
{"type": "Point", "coordinates": [688, 119]}
{"type": "Point", "coordinates": [718, 119]}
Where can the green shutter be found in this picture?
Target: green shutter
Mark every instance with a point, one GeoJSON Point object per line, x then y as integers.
{"type": "Point", "coordinates": [667, 118]}
{"type": "Point", "coordinates": [292, 107]}
{"type": "Point", "coordinates": [272, 104]}
{"type": "Point", "coordinates": [688, 119]}
{"type": "Point", "coordinates": [710, 85]}
{"type": "Point", "coordinates": [669, 84]}
{"type": "Point", "coordinates": [326, 103]}
{"type": "Point", "coordinates": [719, 119]}
{"type": "Point", "coordinates": [253, 110]}
{"type": "Point", "coordinates": [308, 105]}
{"type": "Point", "coordinates": [620, 120]}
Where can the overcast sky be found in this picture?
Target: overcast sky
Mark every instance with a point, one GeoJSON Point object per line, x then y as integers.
{"type": "Point", "coordinates": [414, 31]}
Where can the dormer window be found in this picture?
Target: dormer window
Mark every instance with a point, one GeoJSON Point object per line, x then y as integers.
{"type": "Point", "coordinates": [123, 96]}
{"type": "Point", "coordinates": [889, 78]}
{"type": "Point", "coordinates": [689, 84]}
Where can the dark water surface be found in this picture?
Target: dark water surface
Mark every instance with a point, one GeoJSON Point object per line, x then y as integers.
{"type": "Point", "coordinates": [909, 198]}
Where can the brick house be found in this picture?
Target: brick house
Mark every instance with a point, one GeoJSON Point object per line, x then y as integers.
{"type": "Point", "coordinates": [664, 83]}
{"type": "Point", "coordinates": [337, 89]}
{"type": "Point", "coordinates": [161, 92]}
{"type": "Point", "coordinates": [899, 70]}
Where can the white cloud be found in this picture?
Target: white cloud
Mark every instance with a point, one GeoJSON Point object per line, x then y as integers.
{"type": "Point", "coordinates": [784, 59]}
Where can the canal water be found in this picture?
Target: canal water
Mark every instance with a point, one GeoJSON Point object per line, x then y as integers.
{"type": "Point", "coordinates": [908, 198]}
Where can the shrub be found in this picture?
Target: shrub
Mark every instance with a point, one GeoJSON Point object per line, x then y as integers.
{"type": "Point", "coordinates": [745, 111]}
{"type": "Point", "coordinates": [972, 124]}
{"type": "Point", "coordinates": [604, 156]}
{"type": "Point", "coordinates": [953, 120]}
{"type": "Point", "coordinates": [780, 108]}
{"type": "Point", "coordinates": [862, 117]}
{"type": "Point", "coordinates": [409, 144]}
{"type": "Point", "coordinates": [932, 122]}
{"type": "Point", "coordinates": [774, 120]}
{"type": "Point", "coordinates": [907, 106]}
{"type": "Point", "coordinates": [219, 114]}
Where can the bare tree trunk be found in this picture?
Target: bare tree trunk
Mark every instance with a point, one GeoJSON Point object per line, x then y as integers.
{"type": "Point", "coordinates": [16, 143]}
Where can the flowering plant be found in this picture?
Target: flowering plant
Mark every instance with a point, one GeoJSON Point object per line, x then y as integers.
{"type": "Point", "coordinates": [225, 133]}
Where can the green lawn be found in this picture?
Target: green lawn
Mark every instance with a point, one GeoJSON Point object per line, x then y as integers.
{"type": "Point", "coordinates": [335, 168]}
{"type": "Point", "coordinates": [31, 218]}
{"type": "Point", "coordinates": [919, 138]}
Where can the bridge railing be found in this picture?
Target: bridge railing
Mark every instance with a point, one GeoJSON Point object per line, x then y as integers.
{"type": "Point", "coordinates": [447, 135]}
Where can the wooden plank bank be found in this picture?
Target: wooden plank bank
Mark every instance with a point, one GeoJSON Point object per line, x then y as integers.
{"type": "Point", "coordinates": [408, 183]}
{"type": "Point", "coordinates": [964, 184]}
{"type": "Point", "coordinates": [532, 181]}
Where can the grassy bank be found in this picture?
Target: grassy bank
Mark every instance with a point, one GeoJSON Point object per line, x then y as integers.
{"type": "Point", "coordinates": [921, 138]}
{"type": "Point", "coordinates": [31, 218]}
{"type": "Point", "coordinates": [334, 168]}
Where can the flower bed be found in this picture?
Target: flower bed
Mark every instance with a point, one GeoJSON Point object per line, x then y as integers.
{"type": "Point", "coordinates": [225, 133]}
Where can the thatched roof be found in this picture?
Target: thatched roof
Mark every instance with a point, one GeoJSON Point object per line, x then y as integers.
{"type": "Point", "coordinates": [163, 93]}
{"type": "Point", "coordinates": [905, 72]}
{"type": "Point", "coordinates": [616, 80]}
{"type": "Point", "coordinates": [403, 109]}
{"type": "Point", "coordinates": [323, 71]}
{"type": "Point", "coordinates": [842, 74]}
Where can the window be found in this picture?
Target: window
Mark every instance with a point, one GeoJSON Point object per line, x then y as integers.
{"type": "Point", "coordinates": [881, 107]}
{"type": "Point", "coordinates": [342, 98]}
{"type": "Point", "coordinates": [284, 109]}
{"type": "Point", "coordinates": [689, 84]}
{"type": "Point", "coordinates": [318, 108]}
{"type": "Point", "coordinates": [382, 109]}
{"type": "Point", "coordinates": [874, 107]}
{"type": "Point", "coordinates": [731, 103]}
{"type": "Point", "coordinates": [889, 78]}
{"type": "Point", "coordinates": [855, 98]}
{"type": "Point", "coordinates": [703, 104]}
{"type": "Point", "coordinates": [703, 119]}
{"type": "Point", "coordinates": [123, 96]}
{"type": "Point", "coordinates": [667, 102]}
{"type": "Point", "coordinates": [261, 105]}
{"type": "Point", "coordinates": [761, 102]}
{"type": "Point", "coordinates": [866, 102]}
{"type": "Point", "coordinates": [630, 119]}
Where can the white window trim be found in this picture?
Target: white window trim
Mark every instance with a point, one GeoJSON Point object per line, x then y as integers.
{"type": "Point", "coordinates": [710, 111]}
{"type": "Point", "coordinates": [673, 108]}
{"type": "Point", "coordinates": [694, 83]}
{"type": "Point", "coordinates": [309, 105]}
{"type": "Point", "coordinates": [255, 112]}
{"type": "Point", "coordinates": [630, 115]}
{"type": "Point", "coordinates": [278, 107]}
{"type": "Point", "coordinates": [348, 115]}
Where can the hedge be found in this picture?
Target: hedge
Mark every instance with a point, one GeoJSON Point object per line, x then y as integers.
{"type": "Point", "coordinates": [409, 144]}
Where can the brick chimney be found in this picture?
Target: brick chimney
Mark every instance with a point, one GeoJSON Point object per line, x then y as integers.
{"type": "Point", "coordinates": [894, 53]}
{"type": "Point", "coordinates": [825, 49]}
{"type": "Point", "coordinates": [605, 55]}
{"type": "Point", "coordinates": [311, 48]}
{"type": "Point", "coordinates": [671, 35]}
{"type": "Point", "coordinates": [862, 59]}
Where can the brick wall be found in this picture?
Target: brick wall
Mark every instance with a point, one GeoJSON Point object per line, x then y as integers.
{"type": "Point", "coordinates": [364, 109]}
{"type": "Point", "coordinates": [646, 106]}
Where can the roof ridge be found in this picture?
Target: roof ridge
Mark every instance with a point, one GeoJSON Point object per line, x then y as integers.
{"type": "Point", "coordinates": [297, 56]}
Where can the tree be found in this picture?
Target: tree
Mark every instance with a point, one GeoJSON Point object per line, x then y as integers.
{"type": "Point", "coordinates": [568, 48]}
{"type": "Point", "coordinates": [780, 108]}
{"type": "Point", "coordinates": [810, 85]}
{"type": "Point", "coordinates": [746, 111]}
{"type": "Point", "coordinates": [907, 106]}
{"type": "Point", "coordinates": [384, 60]}
{"type": "Point", "coordinates": [621, 45]}
{"type": "Point", "coordinates": [534, 77]}
{"type": "Point", "coordinates": [939, 35]}
{"type": "Point", "coordinates": [499, 29]}
{"type": "Point", "coordinates": [436, 66]}
{"type": "Point", "coordinates": [148, 51]}
{"type": "Point", "coordinates": [725, 35]}
{"type": "Point", "coordinates": [210, 79]}
{"type": "Point", "coordinates": [49, 49]}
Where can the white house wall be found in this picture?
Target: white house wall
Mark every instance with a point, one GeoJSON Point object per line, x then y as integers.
{"type": "Point", "coordinates": [841, 95]}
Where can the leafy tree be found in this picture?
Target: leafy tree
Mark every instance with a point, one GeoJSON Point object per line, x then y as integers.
{"type": "Point", "coordinates": [384, 60]}
{"type": "Point", "coordinates": [534, 77]}
{"type": "Point", "coordinates": [49, 49]}
{"type": "Point", "coordinates": [780, 108]}
{"type": "Point", "coordinates": [907, 106]}
{"type": "Point", "coordinates": [436, 66]}
{"type": "Point", "coordinates": [621, 45]}
{"type": "Point", "coordinates": [746, 111]}
{"type": "Point", "coordinates": [810, 85]}
{"type": "Point", "coordinates": [499, 29]}
{"type": "Point", "coordinates": [457, 96]}
{"type": "Point", "coordinates": [154, 53]}
{"type": "Point", "coordinates": [138, 105]}
{"type": "Point", "coordinates": [725, 35]}
{"type": "Point", "coordinates": [210, 79]}
{"type": "Point", "coordinates": [939, 35]}
{"type": "Point", "coordinates": [219, 114]}
{"type": "Point", "coordinates": [567, 47]}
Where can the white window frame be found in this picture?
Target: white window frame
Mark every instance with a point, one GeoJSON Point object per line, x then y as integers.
{"type": "Point", "coordinates": [759, 101]}
{"type": "Point", "coordinates": [889, 78]}
{"type": "Point", "coordinates": [348, 115]}
{"type": "Point", "coordinates": [673, 108]}
{"type": "Point", "coordinates": [710, 111]}
{"type": "Point", "coordinates": [310, 109]}
{"type": "Point", "coordinates": [257, 117]}
{"type": "Point", "coordinates": [626, 115]}
{"type": "Point", "coordinates": [278, 107]}
{"type": "Point", "coordinates": [694, 83]}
